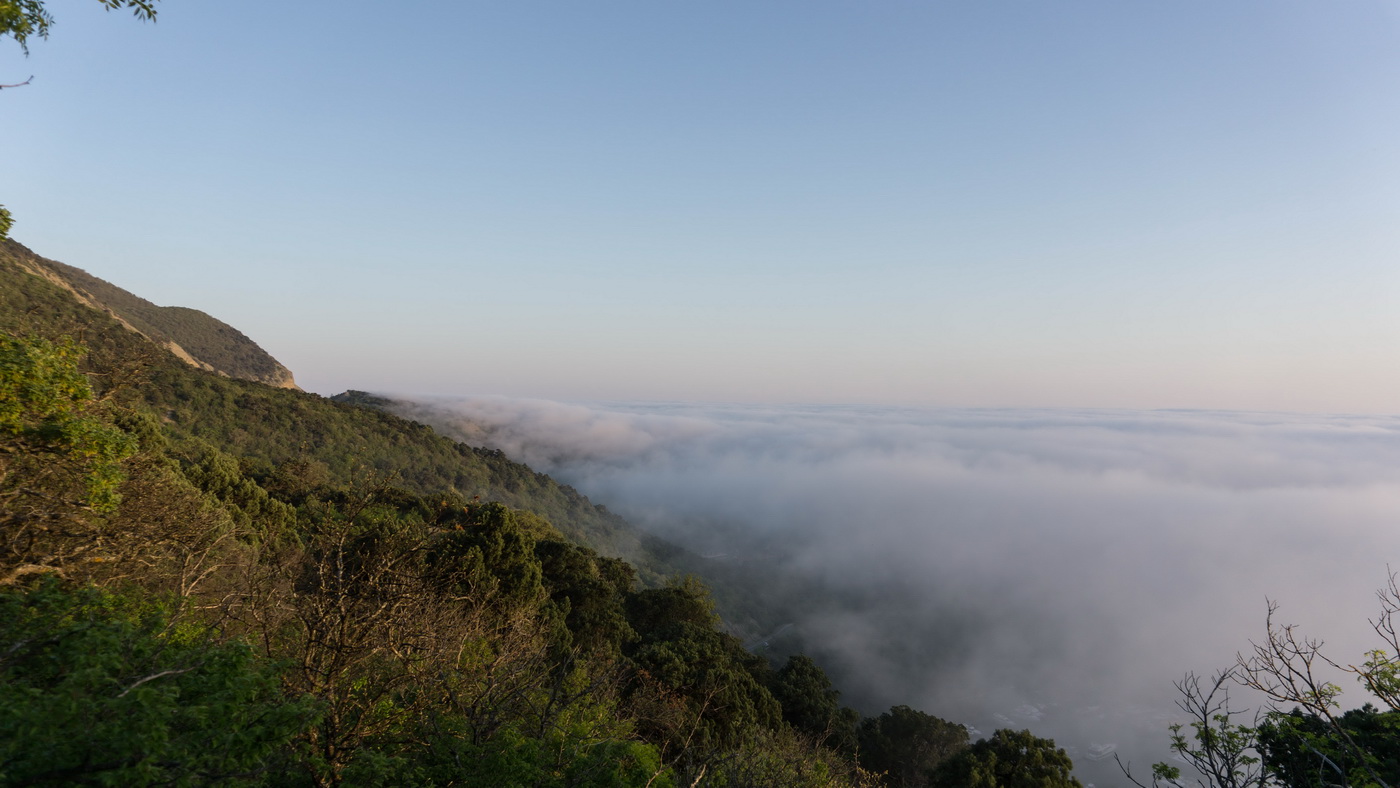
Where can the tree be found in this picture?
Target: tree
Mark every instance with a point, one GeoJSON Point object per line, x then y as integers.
{"type": "Point", "coordinates": [20, 19]}
{"type": "Point", "coordinates": [698, 692]}
{"type": "Point", "coordinates": [1285, 668]}
{"type": "Point", "coordinates": [1222, 751]}
{"type": "Point", "coordinates": [97, 689]}
{"type": "Point", "coordinates": [60, 459]}
{"type": "Point", "coordinates": [1009, 759]}
{"type": "Point", "coordinates": [812, 705]}
{"type": "Point", "coordinates": [1311, 744]}
{"type": "Point", "coordinates": [908, 745]}
{"type": "Point", "coordinates": [1302, 752]}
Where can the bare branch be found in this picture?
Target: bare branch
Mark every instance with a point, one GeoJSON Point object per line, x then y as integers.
{"type": "Point", "coordinates": [153, 677]}
{"type": "Point", "coordinates": [1284, 668]}
{"type": "Point", "coordinates": [28, 569]}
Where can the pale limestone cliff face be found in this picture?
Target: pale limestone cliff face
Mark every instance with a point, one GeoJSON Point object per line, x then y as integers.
{"type": "Point", "coordinates": [231, 355]}
{"type": "Point", "coordinates": [281, 381]}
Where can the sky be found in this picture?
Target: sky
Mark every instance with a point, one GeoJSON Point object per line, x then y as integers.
{"type": "Point", "coordinates": [1084, 211]}
{"type": "Point", "coordinates": [995, 204]}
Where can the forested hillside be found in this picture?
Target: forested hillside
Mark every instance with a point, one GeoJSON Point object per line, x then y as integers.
{"type": "Point", "coordinates": [197, 338]}
{"type": "Point", "coordinates": [211, 580]}
{"type": "Point", "coordinates": [268, 427]}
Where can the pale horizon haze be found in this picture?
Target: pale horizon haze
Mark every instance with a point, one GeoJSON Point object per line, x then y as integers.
{"type": "Point", "coordinates": [1001, 204]}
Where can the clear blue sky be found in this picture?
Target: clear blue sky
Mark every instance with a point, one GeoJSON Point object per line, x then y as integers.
{"type": "Point", "coordinates": [1120, 204]}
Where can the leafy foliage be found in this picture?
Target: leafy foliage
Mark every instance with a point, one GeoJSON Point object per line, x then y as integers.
{"type": "Point", "coordinates": [98, 689]}
{"type": "Point", "coordinates": [20, 19]}
{"type": "Point", "coordinates": [60, 460]}
{"type": "Point", "coordinates": [1302, 751]}
{"type": "Point", "coordinates": [719, 685]}
{"type": "Point", "coordinates": [1009, 759]}
{"type": "Point", "coordinates": [908, 745]}
{"type": "Point", "coordinates": [812, 706]}
{"type": "Point", "coordinates": [1313, 743]}
{"type": "Point", "coordinates": [45, 410]}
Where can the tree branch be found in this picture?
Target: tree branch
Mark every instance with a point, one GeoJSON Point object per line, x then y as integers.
{"type": "Point", "coordinates": [153, 677]}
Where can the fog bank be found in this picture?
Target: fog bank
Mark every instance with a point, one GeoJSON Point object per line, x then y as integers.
{"type": "Point", "coordinates": [1046, 569]}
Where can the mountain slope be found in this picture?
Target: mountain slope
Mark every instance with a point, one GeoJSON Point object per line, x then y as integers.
{"type": "Point", "coordinates": [267, 428]}
{"type": "Point", "coordinates": [360, 599]}
{"type": "Point", "coordinates": [193, 336]}
{"type": "Point", "coordinates": [187, 558]}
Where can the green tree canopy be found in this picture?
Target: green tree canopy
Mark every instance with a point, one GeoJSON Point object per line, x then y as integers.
{"type": "Point", "coordinates": [60, 457]}
{"type": "Point", "coordinates": [811, 704]}
{"type": "Point", "coordinates": [908, 745]}
{"type": "Point", "coordinates": [21, 19]}
{"type": "Point", "coordinates": [100, 690]}
{"type": "Point", "coordinates": [1305, 752]}
{"type": "Point", "coordinates": [46, 410]}
{"type": "Point", "coordinates": [1009, 759]}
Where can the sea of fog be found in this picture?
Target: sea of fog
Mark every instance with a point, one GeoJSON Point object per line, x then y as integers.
{"type": "Point", "coordinates": [1049, 569]}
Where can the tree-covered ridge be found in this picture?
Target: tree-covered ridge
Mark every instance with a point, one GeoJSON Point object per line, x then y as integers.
{"type": "Point", "coordinates": [207, 580]}
{"type": "Point", "coordinates": [341, 635]}
{"type": "Point", "coordinates": [268, 427]}
{"type": "Point", "coordinates": [205, 339]}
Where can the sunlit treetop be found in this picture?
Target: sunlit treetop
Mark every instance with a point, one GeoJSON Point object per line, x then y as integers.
{"type": "Point", "coordinates": [21, 19]}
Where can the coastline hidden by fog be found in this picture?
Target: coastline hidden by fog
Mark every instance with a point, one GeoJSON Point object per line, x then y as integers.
{"type": "Point", "coordinates": [790, 394]}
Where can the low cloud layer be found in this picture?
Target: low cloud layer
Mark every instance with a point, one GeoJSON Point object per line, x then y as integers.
{"type": "Point", "coordinates": [1050, 569]}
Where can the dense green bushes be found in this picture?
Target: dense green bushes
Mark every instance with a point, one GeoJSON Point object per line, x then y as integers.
{"type": "Point", "coordinates": [99, 688]}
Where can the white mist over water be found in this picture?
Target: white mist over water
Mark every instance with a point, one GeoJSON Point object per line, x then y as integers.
{"type": "Point", "coordinates": [1057, 568]}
